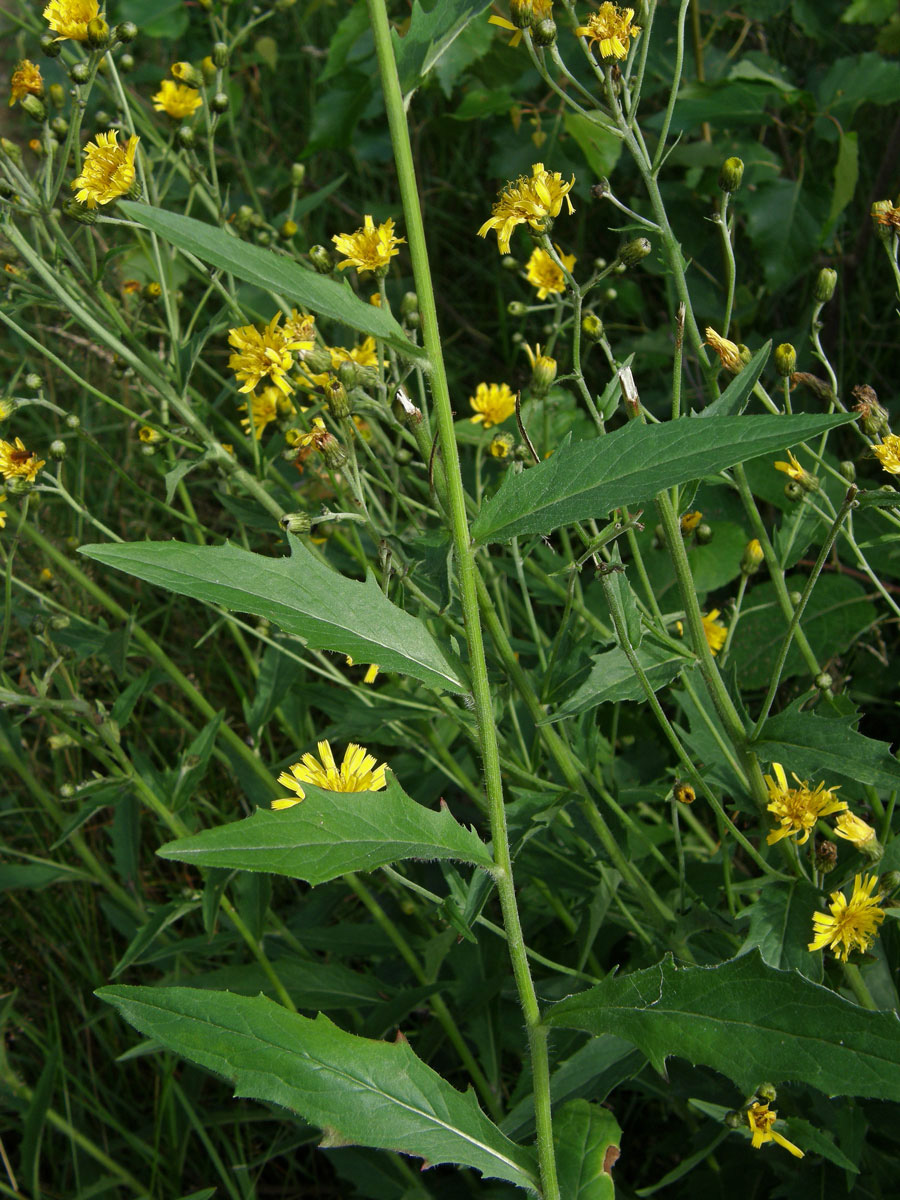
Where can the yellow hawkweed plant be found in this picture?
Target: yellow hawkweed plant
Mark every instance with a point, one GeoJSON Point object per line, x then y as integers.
{"type": "Point", "coordinates": [264, 353]}
{"type": "Point", "coordinates": [70, 18]}
{"type": "Point", "coordinates": [18, 463]}
{"type": "Point", "coordinates": [493, 403]}
{"type": "Point", "coordinates": [107, 171]}
{"type": "Point", "coordinates": [545, 275]}
{"type": "Point", "coordinates": [176, 100]}
{"type": "Point", "coordinates": [888, 454]}
{"type": "Point", "coordinates": [797, 809]}
{"type": "Point", "coordinates": [26, 81]}
{"type": "Point", "coordinates": [370, 248]}
{"type": "Point", "coordinates": [761, 1120]}
{"type": "Point", "coordinates": [359, 772]}
{"type": "Point", "coordinates": [612, 28]}
{"type": "Point", "coordinates": [532, 200]}
{"type": "Point", "coordinates": [850, 924]}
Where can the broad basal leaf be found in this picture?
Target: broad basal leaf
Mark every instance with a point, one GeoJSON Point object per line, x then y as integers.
{"type": "Point", "coordinates": [587, 1139]}
{"type": "Point", "coordinates": [749, 1021]}
{"type": "Point", "coordinates": [823, 747]}
{"type": "Point", "coordinates": [274, 272]}
{"type": "Point", "coordinates": [590, 478]}
{"type": "Point", "coordinates": [300, 594]}
{"type": "Point", "coordinates": [355, 1089]}
{"type": "Point", "coordinates": [330, 833]}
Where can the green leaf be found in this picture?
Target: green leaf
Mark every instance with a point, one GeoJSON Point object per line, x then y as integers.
{"type": "Point", "coordinates": [846, 175]}
{"type": "Point", "coordinates": [273, 272]}
{"type": "Point", "coordinates": [429, 35]}
{"type": "Point", "coordinates": [355, 1089]}
{"type": "Point", "coordinates": [331, 833]}
{"type": "Point", "coordinates": [779, 927]}
{"type": "Point", "coordinates": [311, 984]}
{"type": "Point", "coordinates": [734, 399]}
{"type": "Point", "coordinates": [747, 1020]}
{"type": "Point", "coordinates": [823, 747]}
{"type": "Point", "coordinates": [785, 222]}
{"type": "Point", "coordinates": [612, 678]}
{"type": "Point", "coordinates": [600, 148]}
{"type": "Point", "coordinates": [590, 478]}
{"type": "Point", "coordinates": [298, 593]}
{"type": "Point", "coordinates": [587, 1139]}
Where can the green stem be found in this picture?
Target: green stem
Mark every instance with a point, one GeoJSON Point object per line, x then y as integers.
{"type": "Point", "coordinates": [467, 576]}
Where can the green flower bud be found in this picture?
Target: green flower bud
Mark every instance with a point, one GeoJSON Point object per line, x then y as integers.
{"type": "Point", "coordinates": [793, 491]}
{"type": "Point", "coordinates": [50, 46]}
{"type": "Point", "coordinates": [297, 522]}
{"type": "Point", "coordinates": [521, 13]}
{"type": "Point", "coordinates": [97, 34]}
{"type": "Point", "coordinates": [58, 449]}
{"type": "Point", "coordinates": [795, 598]}
{"type": "Point", "coordinates": [288, 230]}
{"type": "Point", "coordinates": [592, 327]}
{"type": "Point", "coordinates": [220, 55]}
{"type": "Point", "coordinates": [752, 558]}
{"type": "Point", "coordinates": [544, 33]}
{"type": "Point", "coordinates": [785, 359]}
{"type": "Point", "coordinates": [185, 136]}
{"type": "Point", "coordinates": [333, 452]}
{"type": "Point", "coordinates": [263, 238]}
{"type": "Point", "coordinates": [322, 259]}
{"type": "Point", "coordinates": [219, 103]}
{"type": "Point", "coordinates": [18, 485]}
{"type": "Point", "coordinates": [298, 174]}
{"type": "Point", "coordinates": [766, 1092]}
{"type": "Point", "coordinates": [848, 470]}
{"type": "Point", "coordinates": [11, 150]}
{"type": "Point", "coordinates": [731, 174]}
{"type": "Point", "coordinates": [338, 400]}
{"type": "Point", "coordinates": [126, 64]}
{"type": "Point", "coordinates": [34, 107]}
{"type": "Point", "coordinates": [704, 534]}
{"type": "Point", "coordinates": [825, 284]}
{"type": "Point", "coordinates": [33, 381]}
{"type": "Point", "coordinates": [824, 681]}
{"type": "Point", "coordinates": [884, 219]}
{"type": "Point", "coordinates": [72, 421]}
{"type": "Point", "coordinates": [79, 73]}
{"type": "Point", "coordinates": [734, 1119]}
{"type": "Point", "coordinates": [185, 73]}
{"type": "Point", "coordinates": [516, 308]}
{"type": "Point", "coordinates": [632, 253]}
{"type": "Point", "coordinates": [543, 373]}
{"type": "Point", "coordinates": [57, 95]}
{"type": "Point", "coordinates": [889, 882]}
{"type": "Point", "coordinates": [409, 304]}
{"type": "Point", "coordinates": [125, 31]}
{"type": "Point", "coordinates": [60, 126]}
{"type": "Point", "coordinates": [80, 212]}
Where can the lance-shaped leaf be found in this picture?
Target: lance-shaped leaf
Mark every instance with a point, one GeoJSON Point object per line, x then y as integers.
{"type": "Point", "coordinates": [274, 272]}
{"type": "Point", "coordinates": [330, 833]}
{"type": "Point", "coordinates": [300, 594]}
{"type": "Point", "coordinates": [824, 747]}
{"type": "Point", "coordinates": [590, 478]}
{"type": "Point", "coordinates": [356, 1089]}
{"type": "Point", "coordinates": [749, 1021]}
{"type": "Point", "coordinates": [612, 678]}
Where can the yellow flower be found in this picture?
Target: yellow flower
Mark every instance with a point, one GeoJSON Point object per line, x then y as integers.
{"type": "Point", "coordinates": [761, 1122]}
{"type": "Point", "coordinates": [355, 774]}
{"type": "Point", "coordinates": [542, 9]}
{"type": "Point", "coordinates": [502, 445]}
{"type": "Point", "coordinates": [263, 409]}
{"type": "Point", "coordinates": [683, 792]}
{"type": "Point", "coordinates": [26, 81]}
{"type": "Point", "coordinates": [851, 924]}
{"type": "Point", "coordinates": [263, 352]}
{"type": "Point", "coordinates": [612, 27]}
{"type": "Point", "coordinates": [543, 273]}
{"type": "Point", "coordinates": [176, 100]}
{"type": "Point", "coordinates": [493, 403]}
{"type": "Point", "coordinates": [533, 200]}
{"type": "Point", "coordinates": [715, 631]}
{"type": "Point", "coordinates": [797, 809]}
{"type": "Point", "coordinates": [17, 462]}
{"type": "Point", "coordinates": [371, 674]}
{"type": "Point", "coordinates": [371, 248]}
{"type": "Point", "coordinates": [107, 171]}
{"type": "Point", "coordinates": [888, 453]}
{"type": "Point", "coordinates": [854, 829]}
{"type": "Point", "coordinates": [729, 353]}
{"type": "Point", "coordinates": [149, 436]}
{"type": "Point", "coordinates": [318, 436]}
{"type": "Point", "coordinates": [799, 474]}
{"type": "Point", "coordinates": [2, 512]}
{"type": "Point", "coordinates": [689, 522]}
{"type": "Point", "coordinates": [301, 327]}
{"type": "Point", "coordinates": [70, 18]}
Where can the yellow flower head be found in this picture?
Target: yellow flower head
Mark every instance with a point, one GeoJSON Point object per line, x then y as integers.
{"type": "Point", "coordinates": [715, 631]}
{"type": "Point", "coordinates": [690, 521]}
{"type": "Point", "coordinates": [107, 171]}
{"type": "Point", "coordinates": [493, 403]}
{"type": "Point", "coordinates": [612, 27]}
{"type": "Point", "coordinates": [854, 829]}
{"type": "Point", "coordinates": [263, 409]}
{"type": "Point", "coordinates": [888, 453]}
{"type": "Point", "coordinates": [533, 200]}
{"type": "Point", "coordinates": [70, 18]}
{"type": "Point", "coordinates": [371, 672]}
{"type": "Point", "coordinates": [149, 436]}
{"type": "Point", "coordinates": [263, 352]}
{"type": "Point", "coordinates": [357, 773]}
{"type": "Point", "coordinates": [541, 10]}
{"type": "Point", "coordinates": [543, 273]}
{"type": "Point", "coordinates": [797, 809]}
{"type": "Point", "coordinates": [301, 327]}
{"type": "Point", "coordinates": [729, 353]}
{"type": "Point", "coordinates": [2, 512]}
{"type": "Point", "coordinates": [799, 474]}
{"type": "Point", "coordinates": [761, 1122]}
{"type": "Point", "coordinates": [17, 462]}
{"type": "Point", "coordinates": [176, 100]}
{"type": "Point", "coordinates": [851, 924]}
{"type": "Point", "coordinates": [26, 81]}
{"type": "Point", "coordinates": [371, 248]}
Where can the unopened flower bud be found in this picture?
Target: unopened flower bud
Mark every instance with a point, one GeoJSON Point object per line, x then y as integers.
{"type": "Point", "coordinates": [874, 417]}
{"type": "Point", "coordinates": [263, 238]}
{"type": "Point", "coordinates": [151, 292]}
{"type": "Point", "coordinates": [734, 1119]}
{"type": "Point", "coordinates": [824, 681]}
{"type": "Point", "coordinates": [33, 380]}
{"type": "Point", "coordinates": [632, 252]}
{"type": "Point", "coordinates": [889, 882]}
{"type": "Point", "coordinates": [521, 13]}
{"type": "Point", "coordinates": [298, 174]}
{"type": "Point", "coordinates": [683, 792]}
{"type": "Point", "coordinates": [409, 304]}
{"type": "Point", "coordinates": [848, 470]}
{"type": "Point", "coordinates": [731, 174]}
{"type": "Point", "coordinates": [72, 421]}
{"type": "Point", "coordinates": [58, 449]}
{"type": "Point", "coordinates": [80, 212]}
{"type": "Point", "coordinates": [752, 558]}
{"type": "Point", "coordinates": [793, 491]}
{"type": "Point", "coordinates": [766, 1092]}
{"type": "Point", "coordinates": [885, 219]}
{"type": "Point", "coordinates": [795, 598]}
{"type": "Point", "coordinates": [125, 31]}
{"type": "Point", "coordinates": [11, 150]}
{"type": "Point", "coordinates": [220, 55]}
{"type": "Point", "coordinates": [543, 374]}
{"type": "Point", "coordinates": [34, 107]}
{"type": "Point", "coordinates": [208, 70]}
{"type": "Point", "coordinates": [826, 857]}
{"type": "Point", "coordinates": [592, 327]}
{"type": "Point", "coordinates": [322, 259]}
{"type": "Point", "coordinates": [516, 308]}
{"type": "Point", "coordinates": [219, 103]}
{"type": "Point", "coordinates": [825, 284]}
{"type": "Point", "coordinates": [785, 359]}
{"type": "Point", "coordinates": [79, 73]}
{"type": "Point", "coordinates": [544, 32]}
{"type": "Point", "coordinates": [185, 73]}
{"type": "Point", "coordinates": [18, 485]}
{"type": "Point", "coordinates": [333, 452]}
{"type": "Point", "coordinates": [97, 34]}
{"type": "Point", "coordinates": [288, 230]}
{"type": "Point", "coordinates": [126, 64]}
{"type": "Point", "coordinates": [404, 410]}
{"type": "Point", "coordinates": [57, 95]}
{"type": "Point", "coordinates": [508, 263]}
{"type": "Point", "coordinates": [50, 46]}
{"type": "Point", "coordinates": [296, 523]}
{"type": "Point", "coordinates": [60, 126]}
{"type": "Point", "coordinates": [185, 136]}
{"type": "Point", "coordinates": [338, 401]}
{"type": "Point", "coordinates": [704, 534]}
